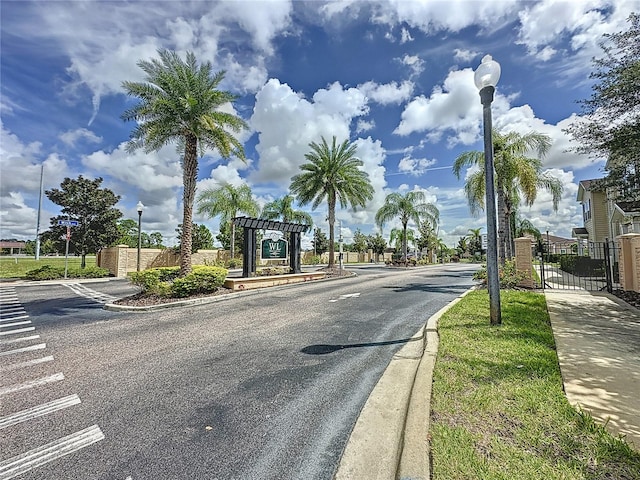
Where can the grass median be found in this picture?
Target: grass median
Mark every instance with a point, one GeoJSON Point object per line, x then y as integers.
{"type": "Point", "coordinates": [17, 267]}
{"type": "Point", "coordinates": [498, 410]}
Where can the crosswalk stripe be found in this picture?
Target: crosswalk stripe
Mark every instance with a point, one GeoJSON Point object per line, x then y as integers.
{"type": "Point", "coordinates": [20, 317]}
{"type": "Point", "coordinates": [15, 324]}
{"type": "Point", "coordinates": [30, 348]}
{"type": "Point", "coordinates": [19, 330]}
{"type": "Point", "coordinates": [39, 411]}
{"type": "Point", "coordinates": [10, 308]}
{"type": "Point", "coordinates": [17, 340]}
{"type": "Point", "coordinates": [32, 383]}
{"type": "Point", "coordinates": [28, 363]}
{"type": "Point", "coordinates": [41, 455]}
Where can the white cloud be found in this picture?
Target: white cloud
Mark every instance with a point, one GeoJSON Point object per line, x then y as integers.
{"type": "Point", "coordinates": [463, 55]}
{"type": "Point", "coordinates": [414, 166]}
{"type": "Point", "coordinates": [415, 63]}
{"type": "Point", "coordinates": [286, 123]}
{"type": "Point", "coordinates": [453, 107]}
{"type": "Point", "coordinates": [388, 93]}
{"type": "Point", "coordinates": [364, 126]}
{"type": "Point", "coordinates": [71, 137]}
{"type": "Point", "coordinates": [405, 36]}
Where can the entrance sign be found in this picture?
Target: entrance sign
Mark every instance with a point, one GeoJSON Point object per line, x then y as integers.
{"type": "Point", "coordinates": [274, 249]}
{"type": "Point", "coordinates": [68, 223]}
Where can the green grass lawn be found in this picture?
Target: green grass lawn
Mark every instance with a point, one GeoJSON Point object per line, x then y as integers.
{"type": "Point", "coordinates": [498, 408]}
{"type": "Point", "coordinates": [16, 267]}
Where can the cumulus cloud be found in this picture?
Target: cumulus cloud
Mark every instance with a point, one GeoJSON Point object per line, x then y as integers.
{"type": "Point", "coordinates": [405, 36]}
{"type": "Point", "coordinates": [463, 55]}
{"type": "Point", "coordinates": [415, 166]}
{"type": "Point", "coordinates": [388, 93]}
{"type": "Point", "coordinates": [452, 107]}
{"type": "Point", "coordinates": [365, 125]}
{"type": "Point", "coordinates": [415, 64]}
{"type": "Point", "coordinates": [286, 123]}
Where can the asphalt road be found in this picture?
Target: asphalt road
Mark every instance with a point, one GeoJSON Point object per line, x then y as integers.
{"type": "Point", "coordinates": [264, 385]}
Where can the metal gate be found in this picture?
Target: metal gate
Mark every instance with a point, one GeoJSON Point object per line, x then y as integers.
{"type": "Point", "coordinates": [595, 268]}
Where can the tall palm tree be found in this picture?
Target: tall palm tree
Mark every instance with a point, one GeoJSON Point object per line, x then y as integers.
{"type": "Point", "coordinates": [180, 103]}
{"type": "Point", "coordinates": [475, 240]}
{"type": "Point", "coordinates": [333, 174]}
{"type": "Point", "coordinates": [411, 206]}
{"type": "Point", "coordinates": [227, 202]}
{"type": "Point", "coordinates": [282, 209]}
{"type": "Point", "coordinates": [518, 178]}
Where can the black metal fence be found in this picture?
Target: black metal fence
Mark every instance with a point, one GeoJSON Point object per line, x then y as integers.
{"type": "Point", "coordinates": [595, 268]}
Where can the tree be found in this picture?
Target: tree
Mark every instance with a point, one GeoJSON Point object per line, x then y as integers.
{"type": "Point", "coordinates": [333, 174]}
{"type": "Point", "coordinates": [411, 206]}
{"type": "Point", "coordinates": [227, 202]}
{"type": "Point", "coordinates": [360, 241]}
{"type": "Point", "coordinates": [377, 243]}
{"type": "Point", "coordinates": [401, 238]}
{"type": "Point", "coordinates": [83, 200]}
{"type": "Point", "coordinates": [475, 241]}
{"type": "Point", "coordinates": [202, 238]}
{"type": "Point", "coordinates": [524, 225]}
{"type": "Point", "coordinates": [320, 242]}
{"type": "Point", "coordinates": [615, 96]}
{"type": "Point", "coordinates": [127, 233]}
{"type": "Point", "coordinates": [517, 176]}
{"type": "Point", "coordinates": [180, 103]}
{"type": "Point", "coordinates": [282, 209]}
{"type": "Point", "coordinates": [463, 246]}
{"type": "Point", "coordinates": [155, 240]}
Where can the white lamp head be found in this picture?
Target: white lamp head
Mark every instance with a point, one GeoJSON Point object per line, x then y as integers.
{"type": "Point", "coordinates": [487, 74]}
{"type": "Point", "coordinates": [139, 206]}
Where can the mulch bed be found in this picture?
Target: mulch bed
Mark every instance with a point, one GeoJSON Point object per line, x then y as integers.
{"type": "Point", "coordinates": [632, 298]}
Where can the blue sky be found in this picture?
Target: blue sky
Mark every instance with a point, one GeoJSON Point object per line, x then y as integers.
{"type": "Point", "coordinates": [394, 77]}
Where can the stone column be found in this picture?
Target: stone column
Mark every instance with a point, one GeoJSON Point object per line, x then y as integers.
{"type": "Point", "coordinates": [629, 263]}
{"type": "Point", "coordinates": [524, 260]}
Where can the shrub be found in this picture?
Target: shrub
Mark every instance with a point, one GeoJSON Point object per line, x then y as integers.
{"type": "Point", "coordinates": [202, 279]}
{"type": "Point", "coordinates": [45, 272]}
{"type": "Point", "coordinates": [50, 272]}
{"type": "Point", "coordinates": [234, 263]}
{"type": "Point", "coordinates": [266, 271]}
{"type": "Point", "coordinates": [508, 275]}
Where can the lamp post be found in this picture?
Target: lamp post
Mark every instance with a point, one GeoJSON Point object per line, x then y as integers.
{"type": "Point", "coordinates": [139, 207]}
{"type": "Point", "coordinates": [486, 77]}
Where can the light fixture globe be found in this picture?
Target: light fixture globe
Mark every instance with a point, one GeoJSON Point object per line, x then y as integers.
{"type": "Point", "coordinates": [487, 74]}
{"type": "Point", "coordinates": [139, 207]}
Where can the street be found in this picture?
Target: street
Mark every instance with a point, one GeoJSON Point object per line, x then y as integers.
{"type": "Point", "coordinates": [265, 385]}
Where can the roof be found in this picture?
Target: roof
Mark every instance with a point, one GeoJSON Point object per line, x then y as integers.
{"type": "Point", "coordinates": [585, 186]}
{"type": "Point", "coordinates": [579, 232]}
{"type": "Point", "coordinates": [629, 208]}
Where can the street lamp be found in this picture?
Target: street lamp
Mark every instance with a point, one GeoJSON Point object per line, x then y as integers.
{"type": "Point", "coordinates": [486, 77]}
{"type": "Point", "coordinates": [139, 207]}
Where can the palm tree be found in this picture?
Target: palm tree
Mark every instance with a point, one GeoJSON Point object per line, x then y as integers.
{"type": "Point", "coordinates": [524, 225]}
{"type": "Point", "coordinates": [475, 240]}
{"type": "Point", "coordinates": [180, 103]}
{"type": "Point", "coordinates": [397, 236]}
{"type": "Point", "coordinates": [282, 209]}
{"type": "Point", "coordinates": [517, 176]}
{"type": "Point", "coordinates": [227, 201]}
{"type": "Point", "coordinates": [333, 174]}
{"type": "Point", "coordinates": [411, 206]}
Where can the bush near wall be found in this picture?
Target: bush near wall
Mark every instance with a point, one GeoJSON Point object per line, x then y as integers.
{"type": "Point", "coordinates": [55, 272]}
{"type": "Point", "coordinates": [164, 281]}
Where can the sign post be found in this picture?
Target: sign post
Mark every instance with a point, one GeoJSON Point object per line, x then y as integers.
{"type": "Point", "coordinates": [68, 224]}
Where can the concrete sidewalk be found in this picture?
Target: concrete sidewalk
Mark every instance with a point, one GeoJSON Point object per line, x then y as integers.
{"type": "Point", "coordinates": [598, 342]}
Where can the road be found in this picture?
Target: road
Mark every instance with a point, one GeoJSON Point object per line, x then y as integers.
{"type": "Point", "coordinates": [265, 385]}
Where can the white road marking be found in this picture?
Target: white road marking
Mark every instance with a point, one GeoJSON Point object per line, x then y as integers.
{"type": "Point", "coordinates": [39, 411]}
{"type": "Point", "coordinates": [28, 363]}
{"type": "Point", "coordinates": [21, 339]}
{"type": "Point", "coordinates": [19, 317]}
{"type": "Point", "coordinates": [9, 309]}
{"type": "Point", "coordinates": [52, 451]}
{"type": "Point", "coordinates": [89, 293]}
{"type": "Point", "coordinates": [19, 330]}
{"type": "Point", "coordinates": [31, 384]}
{"type": "Point", "coordinates": [345, 296]}
{"type": "Point", "coordinates": [30, 348]}
{"type": "Point", "coordinates": [15, 324]}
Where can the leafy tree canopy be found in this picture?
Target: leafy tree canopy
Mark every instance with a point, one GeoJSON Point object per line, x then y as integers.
{"type": "Point", "coordinates": [202, 238]}
{"type": "Point", "coordinates": [92, 207]}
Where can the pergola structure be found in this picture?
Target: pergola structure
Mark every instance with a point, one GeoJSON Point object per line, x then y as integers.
{"type": "Point", "coordinates": [250, 225]}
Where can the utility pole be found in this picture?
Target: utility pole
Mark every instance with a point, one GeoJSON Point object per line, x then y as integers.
{"type": "Point", "coordinates": [39, 210]}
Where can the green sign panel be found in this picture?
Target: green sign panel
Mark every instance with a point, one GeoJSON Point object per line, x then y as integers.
{"type": "Point", "coordinates": [274, 249]}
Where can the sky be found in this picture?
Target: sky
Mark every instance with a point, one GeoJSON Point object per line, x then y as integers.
{"type": "Point", "coordinates": [394, 77]}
